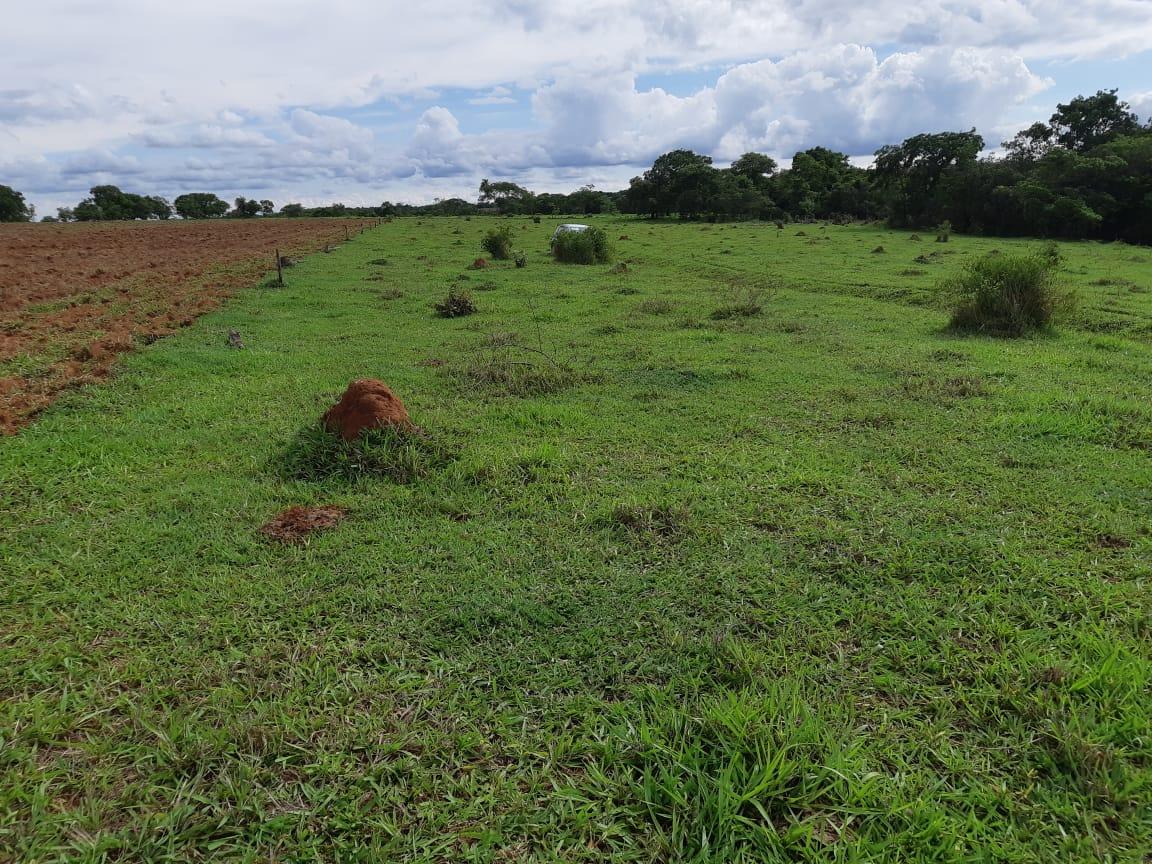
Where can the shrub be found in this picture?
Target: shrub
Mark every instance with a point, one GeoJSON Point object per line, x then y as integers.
{"type": "Point", "coordinates": [1008, 295]}
{"type": "Point", "coordinates": [582, 247]}
{"type": "Point", "coordinates": [498, 243]}
{"type": "Point", "coordinates": [521, 259]}
{"type": "Point", "coordinates": [457, 303]}
{"type": "Point", "coordinates": [944, 232]}
{"type": "Point", "coordinates": [535, 220]}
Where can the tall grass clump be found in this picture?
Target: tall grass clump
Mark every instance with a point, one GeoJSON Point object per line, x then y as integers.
{"type": "Point", "coordinates": [400, 455]}
{"type": "Point", "coordinates": [582, 247]}
{"type": "Point", "coordinates": [1008, 295]}
{"type": "Point", "coordinates": [498, 243]}
{"type": "Point", "coordinates": [745, 777]}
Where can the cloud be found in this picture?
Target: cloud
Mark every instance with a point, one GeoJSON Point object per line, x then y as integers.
{"type": "Point", "coordinates": [843, 97]}
{"type": "Point", "coordinates": [46, 104]}
{"type": "Point", "coordinates": [206, 136]}
{"type": "Point", "coordinates": [320, 132]}
{"type": "Point", "coordinates": [495, 96]}
{"type": "Point", "coordinates": [95, 163]}
{"type": "Point", "coordinates": [1142, 104]}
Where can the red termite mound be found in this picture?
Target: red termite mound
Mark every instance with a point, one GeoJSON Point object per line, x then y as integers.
{"type": "Point", "coordinates": [366, 404]}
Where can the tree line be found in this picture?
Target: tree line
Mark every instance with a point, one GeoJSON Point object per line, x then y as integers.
{"type": "Point", "coordinates": [1085, 174]}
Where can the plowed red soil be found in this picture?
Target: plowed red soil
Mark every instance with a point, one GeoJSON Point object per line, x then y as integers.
{"type": "Point", "coordinates": [72, 297]}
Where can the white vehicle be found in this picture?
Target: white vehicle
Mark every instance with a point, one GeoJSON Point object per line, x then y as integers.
{"type": "Point", "coordinates": [564, 229]}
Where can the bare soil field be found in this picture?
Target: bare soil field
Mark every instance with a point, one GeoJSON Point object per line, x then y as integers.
{"type": "Point", "coordinates": [72, 297]}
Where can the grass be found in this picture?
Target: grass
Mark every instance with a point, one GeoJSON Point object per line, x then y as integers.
{"type": "Point", "coordinates": [823, 583]}
{"type": "Point", "coordinates": [1009, 295]}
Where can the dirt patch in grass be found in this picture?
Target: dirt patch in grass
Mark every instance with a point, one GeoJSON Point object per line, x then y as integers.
{"type": "Point", "coordinates": [662, 521]}
{"type": "Point", "coordinates": [294, 525]}
{"type": "Point", "coordinates": [1112, 541]}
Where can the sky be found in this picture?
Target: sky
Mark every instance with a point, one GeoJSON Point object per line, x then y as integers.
{"type": "Point", "coordinates": [363, 101]}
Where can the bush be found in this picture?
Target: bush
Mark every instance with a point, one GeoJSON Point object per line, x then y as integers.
{"type": "Point", "coordinates": [457, 304]}
{"type": "Point", "coordinates": [498, 243]}
{"type": "Point", "coordinates": [944, 232]}
{"type": "Point", "coordinates": [582, 247]}
{"type": "Point", "coordinates": [1008, 295]}
{"type": "Point", "coordinates": [521, 259]}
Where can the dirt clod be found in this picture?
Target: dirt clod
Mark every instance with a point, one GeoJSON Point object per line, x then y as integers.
{"type": "Point", "coordinates": [296, 523]}
{"type": "Point", "coordinates": [366, 404]}
{"type": "Point", "coordinates": [1112, 541]}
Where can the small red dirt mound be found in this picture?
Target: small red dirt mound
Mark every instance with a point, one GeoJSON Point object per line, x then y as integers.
{"type": "Point", "coordinates": [478, 264]}
{"type": "Point", "coordinates": [366, 404]}
{"type": "Point", "coordinates": [296, 523]}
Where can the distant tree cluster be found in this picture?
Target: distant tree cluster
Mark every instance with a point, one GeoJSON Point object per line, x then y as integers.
{"type": "Point", "coordinates": [1087, 173]}
{"type": "Point", "coordinates": [109, 203]}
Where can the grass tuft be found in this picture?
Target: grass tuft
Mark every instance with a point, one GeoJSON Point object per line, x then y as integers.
{"type": "Point", "coordinates": [402, 456]}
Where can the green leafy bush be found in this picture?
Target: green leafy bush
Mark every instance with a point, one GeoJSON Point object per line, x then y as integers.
{"type": "Point", "coordinates": [1008, 295]}
{"type": "Point", "coordinates": [498, 243]}
{"type": "Point", "coordinates": [582, 247]}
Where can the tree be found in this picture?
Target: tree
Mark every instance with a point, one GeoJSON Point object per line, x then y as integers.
{"type": "Point", "coordinates": [586, 200]}
{"type": "Point", "coordinates": [506, 196]}
{"type": "Point", "coordinates": [13, 207]}
{"type": "Point", "coordinates": [267, 208]}
{"type": "Point", "coordinates": [911, 172]}
{"type": "Point", "coordinates": [680, 181]}
{"type": "Point", "coordinates": [65, 214]}
{"type": "Point", "coordinates": [87, 211]}
{"type": "Point", "coordinates": [738, 197]}
{"type": "Point", "coordinates": [292, 210]}
{"type": "Point", "coordinates": [817, 183]}
{"type": "Point", "coordinates": [156, 208]}
{"type": "Point", "coordinates": [1030, 144]}
{"type": "Point", "coordinates": [756, 167]}
{"type": "Point", "coordinates": [245, 208]}
{"type": "Point", "coordinates": [200, 205]}
{"type": "Point", "coordinates": [1089, 121]}
{"type": "Point", "coordinates": [110, 203]}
